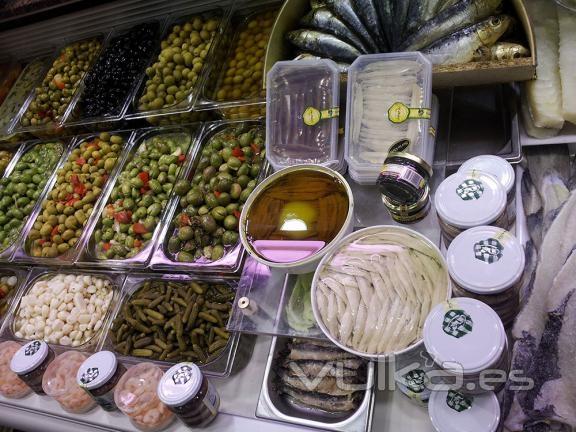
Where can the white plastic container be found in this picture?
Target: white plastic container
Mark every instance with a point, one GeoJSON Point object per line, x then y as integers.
{"type": "Point", "coordinates": [451, 411]}
{"type": "Point", "coordinates": [302, 109]}
{"type": "Point", "coordinates": [495, 165]}
{"type": "Point", "coordinates": [466, 337]}
{"type": "Point", "coordinates": [393, 92]}
{"type": "Point", "coordinates": [468, 199]}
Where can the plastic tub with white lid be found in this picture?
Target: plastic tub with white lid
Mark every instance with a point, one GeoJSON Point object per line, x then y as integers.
{"type": "Point", "coordinates": [451, 411]}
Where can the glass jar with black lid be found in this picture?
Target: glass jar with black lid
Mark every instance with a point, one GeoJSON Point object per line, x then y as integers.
{"type": "Point", "coordinates": [188, 394]}
{"type": "Point", "coordinates": [30, 362]}
{"type": "Point", "coordinates": [99, 375]}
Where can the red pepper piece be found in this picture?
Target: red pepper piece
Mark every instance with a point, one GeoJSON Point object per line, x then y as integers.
{"type": "Point", "coordinates": [181, 158]}
{"type": "Point", "coordinates": [184, 219]}
{"type": "Point", "coordinates": [217, 193]}
{"type": "Point", "coordinates": [144, 176]}
{"type": "Point", "coordinates": [137, 243]}
{"type": "Point", "coordinates": [106, 246]}
{"type": "Point", "coordinates": [236, 214]}
{"type": "Point", "coordinates": [237, 152]}
{"type": "Point", "coordinates": [81, 161]}
{"type": "Point", "coordinates": [124, 216]}
{"type": "Point", "coordinates": [139, 228]}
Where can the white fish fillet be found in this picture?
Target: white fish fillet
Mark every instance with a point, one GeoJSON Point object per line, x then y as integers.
{"type": "Point", "coordinates": [567, 62]}
{"type": "Point", "coordinates": [545, 92]}
{"type": "Point", "coordinates": [528, 121]}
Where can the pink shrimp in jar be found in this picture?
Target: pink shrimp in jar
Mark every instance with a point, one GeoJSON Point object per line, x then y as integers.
{"type": "Point", "coordinates": [10, 385]}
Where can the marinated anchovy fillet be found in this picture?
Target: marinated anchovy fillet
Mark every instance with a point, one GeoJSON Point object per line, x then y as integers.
{"type": "Point", "coordinates": [61, 82]}
{"type": "Point", "coordinates": [174, 321]}
{"type": "Point", "coordinates": [317, 374]}
{"type": "Point", "coordinates": [206, 224]}
{"type": "Point", "coordinates": [109, 83]}
{"type": "Point", "coordinates": [140, 195]}
{"type": "Point", "coordinates": [70, 203]}
{"type": "Point", "coordinates": [374, 294]}
{"type": "Point", "coordinates": [20, 90]}
{"type": "Point", "coordinates": [21, 189]}
{"type": "Point", "coordinates": [377, 87]}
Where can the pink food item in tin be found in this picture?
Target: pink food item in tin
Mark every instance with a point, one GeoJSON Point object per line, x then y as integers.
{"type": "Point", "coordinates": [10, 385]}
{"type": "Point", "coordinates": [59, 382]}
{"type": "Point", "coordinates": [136, 396]}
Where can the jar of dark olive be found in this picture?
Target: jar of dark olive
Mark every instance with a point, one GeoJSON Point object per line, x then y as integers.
{"type": "Point", "coordinates": [30, 362]}
{"type": "Point", "coordinates": [98, 376]}
{"type": "Point", "coordinates": [188, 394]}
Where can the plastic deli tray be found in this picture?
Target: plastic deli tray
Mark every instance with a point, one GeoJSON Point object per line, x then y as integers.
{"type": "Point", "coordinates": [75, 114]}
{"type": "Point", "coordinates": [12, 280]}
{"type": "Point", "coordinates": [151, 100]}
{"type": "Point", "coordinates": [180, 284]}
{"type": "Point", "coordinates": [76, 186]}
{"type": "Point", "coordinates": [10, 243]}
{"type": "Point", "coordinates": [54, 126]}
{"type": "Point", "coordinates": [272, 405]}
{"type": "Point", "coordinates": [230, 262]}
{"type": "Point", "coordinates": [12, 328]}
{"type": "Point", "coordinates": [117, 214]}
{"type": "Point", "coordinates": [235, 82]}
{"type": "Point", "coordinates": [302, 108]}
{"type": "Point", "coordinates": [389, 100]}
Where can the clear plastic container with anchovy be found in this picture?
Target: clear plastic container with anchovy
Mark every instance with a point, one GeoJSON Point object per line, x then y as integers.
{"type": "Point", "coordinates": [302, 112]}
{"type": "Point", "coordinates": [389, 101]}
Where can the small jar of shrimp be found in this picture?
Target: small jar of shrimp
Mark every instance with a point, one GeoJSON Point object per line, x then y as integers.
{"type": "Point", "coordinates": [135, 395]}
{"type": "Point", "coordinates": [59, 382]}
{"type": "Point", "coordinates": [189, 394]}
{"type": "Point", "coordinates": [11, 386]}
{"type": "Point", "coordinates": [30, 363]}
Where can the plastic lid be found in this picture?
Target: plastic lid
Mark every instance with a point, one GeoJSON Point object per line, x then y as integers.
{"type": "Point", "coordinates": [451, 411]}
{"type": "Point", "coordinates": [464, 335]}
{"type": "Point", "coordinates": [485, 260]}
{"type": "Point", "coordinates": [179, 384]}
{"type": "Point", "coordinates": [65, 365]}
{"type": "Point", "coordinates": [137, 388]}
{"type": "Point", "coordinates": [29, 357]}
{"type": "Point", "coordinates": [97, 370]}
{"type": "Point", "coordinates": [468, 199]}
{"type": "Point", "coordinates": [495, 165]}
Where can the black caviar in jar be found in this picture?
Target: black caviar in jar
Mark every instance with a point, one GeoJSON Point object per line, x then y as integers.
{"type": "Point", "coordinates": [404, 178]}
{"type": "Point", "coordinates": [30, 363]}
{"type": "Point", "coordinates": [188, 394]}
{"type": "Point", "coordinates": [116, 71]}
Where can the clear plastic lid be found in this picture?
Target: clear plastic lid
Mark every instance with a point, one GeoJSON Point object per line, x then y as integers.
{"type": "Point", "coordinates": [29, 357]}
{"type": "Point", "coordinates": [10, 385]}
{"type": "Point", "coordinates": [97, 370]}
{"type": "Point", "coordinates": [451, 411]}
{"type": "Point", "coordinates": [464, 335]}
{"type": "Point", "coordinates": [468, 199]}
{"type": "Point", "coordinates": [495, 165]}
{"type": "Point", "coordinates": [179, 384]}
{"type": "Point", "coordinates": [389, 100]}
{"type": "Point", "coordinates": [302, 112]}
{"type": "Point", "coordinates": [485, 260]}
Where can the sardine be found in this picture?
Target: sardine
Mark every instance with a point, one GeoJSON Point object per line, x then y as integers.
{"type": "Point", "coordinates": [345, 10]}
{"type": "Point", "coordinates": [459, 47]}
{"type": "Point", "coordinates": [445, 4]}
{"type": "Point", "coordinates": [366, 10]}
{"type": "Point", "coordinates": [323, 402]}
{"type": "Point", "coordinates": [317, 3]}
{"type": "Point", "coordinates": [501, 51]}
{"type": "Point", "coordinates": [385, 11]}
{"type": "Point", "coordinates": [324, 19]}
{"type": "Point", "coordinates": [323, 44]}
{"type": "Point", "coordinates": [312, 368]}
{"type": "Point", "coordinates": [328, 385]}
{"type": "Point", "coordinates": [417, 11]}
{"type": "Point", "coordinates": [399, 17]}
{"type": "Point", "coordinates": [461, 15]}
{"type": "Point", "coordinates": [315, 352]}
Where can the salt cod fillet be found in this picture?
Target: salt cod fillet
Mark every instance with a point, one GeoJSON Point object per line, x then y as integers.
{"type": "Point", "coordinates": [567, 61]}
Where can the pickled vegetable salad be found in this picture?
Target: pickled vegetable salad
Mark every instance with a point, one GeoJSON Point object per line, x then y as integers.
{"type": "Point", "coordinates": [140, 195]}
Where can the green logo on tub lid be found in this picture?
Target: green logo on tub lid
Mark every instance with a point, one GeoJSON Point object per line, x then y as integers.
{"type": "Point", "coordinates": [457, 323]}
{"type": "Point", "coordinates": [415, 380]}
{"type": "Point", "coordinates": [458, 402]}
{"type": "Point", "coordinates": [470, 189]}
{"type": "Point", "coordinates": [489, 250]}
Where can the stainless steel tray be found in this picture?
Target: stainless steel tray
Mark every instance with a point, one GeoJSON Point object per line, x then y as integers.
{"type": "Point", "coordinates": [272, 406]}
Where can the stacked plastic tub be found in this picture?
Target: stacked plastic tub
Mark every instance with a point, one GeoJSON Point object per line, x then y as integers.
{"type": "Point", "coordinates": [309, 88]}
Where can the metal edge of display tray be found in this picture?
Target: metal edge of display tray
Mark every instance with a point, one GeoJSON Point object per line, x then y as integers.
{"type": "Point", "coordinates": [22, 274]}
{"type": "Point", "coordinates": [360, 421]}
{"type": "Point", "coordinates": [141, 260]}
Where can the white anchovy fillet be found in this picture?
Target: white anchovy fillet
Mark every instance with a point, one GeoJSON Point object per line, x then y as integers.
{"type": "Point", "coordinates": [567, 24]}
{"type": "Point", "coordinates": [385, 286]}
